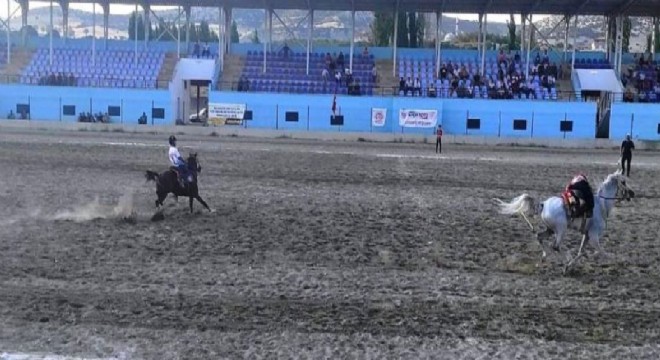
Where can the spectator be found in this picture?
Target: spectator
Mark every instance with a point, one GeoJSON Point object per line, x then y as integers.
{"type": "Point", "coordinates": [11, 115]}
{"type": "Point", "coordinates": [409, 86]}
{"type": "Point", "coordinates": [402, 86]}
{"type": "Point", "coordinates": [286, 50]}
{"type": "Point", "coordinates": [196, 50]}
{"type": "Point", "coordinates": [365, 52]}
{"type": "Point", "coordinates": [340, 60]}
{"type": "Point", "coordinates": [417, 87]}
{"type": "Point", "coordinates": [338, 78]}
{"type": "Point", "coordinates": [438, 139]}
{"type": "Point", "coordinates": [626, 154]}
{"type": "Point", "coordinates": [374, 73]}
{"type": "Point", "coordinates": [325, 75]}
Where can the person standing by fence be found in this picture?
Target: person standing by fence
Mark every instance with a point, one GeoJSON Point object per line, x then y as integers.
{"type": "Point", "coordinates": [627, 146]}
{"type": "Point", "coordinates": [438, 139]}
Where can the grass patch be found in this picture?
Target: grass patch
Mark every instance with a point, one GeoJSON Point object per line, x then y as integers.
{"type": "Point", "coordinates": [118, 130]}
{"type": "Point", "coordinates": [214, 134]}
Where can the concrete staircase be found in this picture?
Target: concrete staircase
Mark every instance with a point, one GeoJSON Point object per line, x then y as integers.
{"type": "Point", "coordinates": [20, 58]}
{"type": "Point", "coordinates": [231, 73]}
{"type": "Point", "coordinates": [387, 83]}
{"type": "Point", "coordinates": [167, 69]}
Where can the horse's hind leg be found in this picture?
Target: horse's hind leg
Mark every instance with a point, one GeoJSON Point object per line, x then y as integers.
{"type": "Point", "coordinates": [540, 236]}
{"type": "Point", "coordinates": [199, 198]}
{"type": "Point", "coordinates": [161, 198]}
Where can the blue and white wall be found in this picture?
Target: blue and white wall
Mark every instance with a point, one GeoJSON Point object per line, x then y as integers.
{"type": "Point", "coordinates": [46, 102]}
{"type": "Point", "coordinates": [543, 118]}
{"type": "Point", "coordinates": [496, 117]}
{"type": "Point", "coordinates": [642, 121]}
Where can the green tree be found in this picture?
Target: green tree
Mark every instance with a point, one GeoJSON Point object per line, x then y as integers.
{"type": "Point", "coordinates": [649, 39]}
{"type": "Point", "coordinates": [412, 29]}
{"type": "Point", "coordinates": [204, 31]}
{"type": "Point", "coordinates": [255, 37]}
{"type": "Point", "coordinates": [511, 25]}
{"type": "Point", "coordinates": [382, 28]}
{"type": "Point", "coordinates": [627, 25]}
{"type": "Point", "coordinates": [235, 38]}
{"type": "Point", "coordinates": [132, 24]}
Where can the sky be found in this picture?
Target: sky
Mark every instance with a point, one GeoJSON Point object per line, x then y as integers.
{"type": "Point", "coordinates": [127, 9]}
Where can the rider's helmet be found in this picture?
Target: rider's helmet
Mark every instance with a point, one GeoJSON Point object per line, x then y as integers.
{"type": "Point", "coordinates": [172, 140]}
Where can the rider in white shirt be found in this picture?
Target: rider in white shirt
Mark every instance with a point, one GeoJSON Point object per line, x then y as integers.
{"type": "Point", "coordinates": [177, 161]}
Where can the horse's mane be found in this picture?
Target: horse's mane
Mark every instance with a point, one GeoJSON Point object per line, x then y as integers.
{"type": "Point", "coordinates": [612, 180]}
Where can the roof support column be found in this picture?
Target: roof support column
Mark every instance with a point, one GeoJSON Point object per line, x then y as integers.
{"type": "Point", "coordinates": [25, 7]}
{"type": "Point", "coordinates": [50, 35]}
{"type": "Point", "coordinates": [483, 46]}
{"type": "Point", "coordinates": [653, 37]}
{"type": "Point", "coordinates": [106, 17]}
{"type": "Point", "coordinates": [310, 36]}
{"type": "Point", "coordinates": [94, 34]}
{"type": "Point", "coordinates": [270, 30]}
{"type": "Point", "coordinates": [480, 33]}
{"type": "Point", "coordinates": [221, 37]}
{"type": "Point", "coordinates": [575, 33]}
{"type": "Point", "coordinates": [228, 23]}
{"type": "Point", "coordinates": [178, 32]}
{"type": "Point", "coordinates": [187, 9]}
{"type": "Point", "coordinates": [523, 39]}
{"type": "Point", "coordinates": [8, 32]}
{"type": "Point", "coordinates": [136, 36]}
{"type": "Point", "coordinates": [265, 44]}
{"type": "Point", "coordinates": [396, 35]}
{"type": "Point", "coordinates": [147, 24]}
{"type": "Point", "coordinates": [438, 42]}
{"type": "Point", "coordinates": [608, 37]}
{"type": "Point", "coordinates": [352, 49]}
{"type": "Point", "coordinates": [568, 29]}
{"type": "Point", "coordinates": [529, 46]}
{"type": "Point", "coordinates": [65, 20]}
{"type": "Point", "coordinates": [618, 48]}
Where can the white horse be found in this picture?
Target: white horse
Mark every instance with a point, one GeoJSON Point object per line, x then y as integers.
{"type": "Point", "coordinates": [556, 218]}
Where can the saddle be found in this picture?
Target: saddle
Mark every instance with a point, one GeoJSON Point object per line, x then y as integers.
{"type": "Point", "coordinates": [575, 204]}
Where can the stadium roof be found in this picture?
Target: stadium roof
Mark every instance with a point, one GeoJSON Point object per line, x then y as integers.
{"type": "Point", "coordinates": [559, 7]}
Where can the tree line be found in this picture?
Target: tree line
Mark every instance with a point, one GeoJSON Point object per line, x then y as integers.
{"type": "Point", "coordinates": [198, 32]}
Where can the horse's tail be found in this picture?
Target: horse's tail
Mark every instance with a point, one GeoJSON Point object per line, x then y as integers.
{"type": "Point", "coordinates": [522, 204]}
{"type": "Point", "coordinates": [151, 176]}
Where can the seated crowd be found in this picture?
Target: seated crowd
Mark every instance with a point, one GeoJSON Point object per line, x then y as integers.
{"type": "Point", "coordinates": [504, 79]}
{"type": "Point", "coordinates": [287, 72]}
{"type": "Point", "coordinates": [641, 80]}
{"type": "Point", "coordinates": [59, 79]}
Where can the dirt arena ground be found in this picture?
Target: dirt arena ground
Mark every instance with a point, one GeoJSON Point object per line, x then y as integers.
{"type": "Point", "coordinates": [319, 250]}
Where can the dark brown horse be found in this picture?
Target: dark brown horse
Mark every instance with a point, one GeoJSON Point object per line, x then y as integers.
{"type": "Point", "coordinates": [168, 183]}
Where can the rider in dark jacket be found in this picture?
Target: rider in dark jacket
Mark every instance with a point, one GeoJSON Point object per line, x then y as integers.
{"type": "Point", "coordinates": [580, 186]}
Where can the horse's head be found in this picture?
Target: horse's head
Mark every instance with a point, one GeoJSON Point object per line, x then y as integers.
{"type": "Point", "coordinates": [193, 164]}
{"type": "Point", "coordinates": [616, 187]}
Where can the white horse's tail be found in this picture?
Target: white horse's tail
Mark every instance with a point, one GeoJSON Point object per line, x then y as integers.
{"type": "Point", "coordinates": [523, 204]}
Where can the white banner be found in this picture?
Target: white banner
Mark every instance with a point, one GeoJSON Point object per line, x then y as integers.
{"type": "Point", "coordinates": [378, 116]}
{"type": "Point", "coordinates": [226, 111]}
{"type": "Point", "coordinates": [418, 118]}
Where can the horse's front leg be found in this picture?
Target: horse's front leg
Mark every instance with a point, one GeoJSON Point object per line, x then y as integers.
{"type": "Point", "coordinates": [190, 201]}
{"type": "Point", "coordinates": [579, 254]}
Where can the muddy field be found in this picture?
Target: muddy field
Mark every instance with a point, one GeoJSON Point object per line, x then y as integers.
{"type": "Point", "coordinates": [317, 250]}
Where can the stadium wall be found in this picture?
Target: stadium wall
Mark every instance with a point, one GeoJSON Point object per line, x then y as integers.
{"type": "Point", "coordinates": [541, 119]}
{"type": "Point", "coordinates": [640, 120]}
{"type": "Point", "coordinates": [47, 102]}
